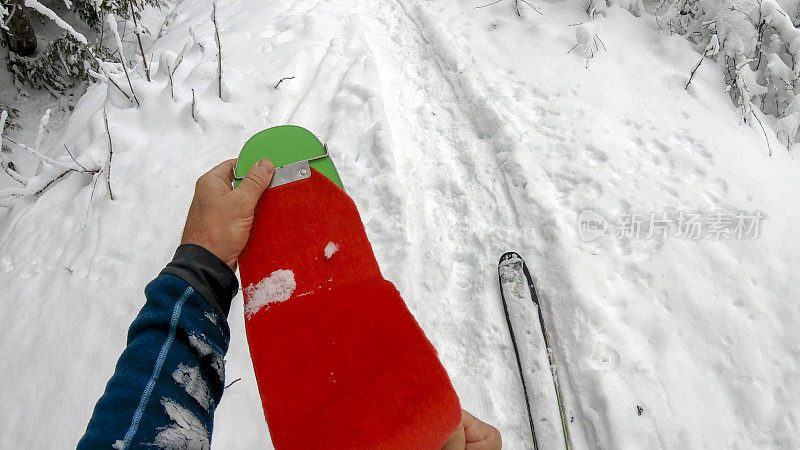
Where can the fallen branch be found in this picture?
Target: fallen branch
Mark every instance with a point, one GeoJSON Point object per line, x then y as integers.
{"type": "Point", "coordinates": [282, 79]}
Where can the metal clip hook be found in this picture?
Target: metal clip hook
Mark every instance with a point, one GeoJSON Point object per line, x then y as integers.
{"type": "Point", "coordinates": [296, 171]}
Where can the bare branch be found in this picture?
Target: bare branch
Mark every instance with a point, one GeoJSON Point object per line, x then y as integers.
{"type": "Point", "coordinates": [193, 106]}
{"type": "Point", "coordinates": [139, 38]}
{"type": "Point", "coordinates": [282, 79]}
{"type": "Point", "coordinates": [112, 25]}
{"type": "Point", "coordinates": [9, 168]}
{"type": "Point", "coordinates": [765, 132]}
{"type": "Point", "coordinates": [532, 7]}
{"type": "Point", "coordinates": [171, 83]}
{"type": "Point", "coordinates": [75, 160]}
{"type": "Point", "coordinates": [219, 46]}
{"type": "Point", "coordinates": [104, 77]}
{"type": "Point", "coordinates": [693, 72]}
{"type": "Point", "coordinates": [488, 4]}
{"type": "Point", "coordinates": [110, 154]}
{"type": "Point", "coordinates": [43, 158]}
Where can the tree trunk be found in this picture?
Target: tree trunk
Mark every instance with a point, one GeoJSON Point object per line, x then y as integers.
{"type": "Point", "coordinates": [20, 36]}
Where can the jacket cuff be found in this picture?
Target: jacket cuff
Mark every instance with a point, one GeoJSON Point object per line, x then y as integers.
{"type": "Point", "coordinates": [207, 274]}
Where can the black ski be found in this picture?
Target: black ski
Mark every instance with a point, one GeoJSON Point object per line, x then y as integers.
{"type": "Point", "coordinates": [531, 347]}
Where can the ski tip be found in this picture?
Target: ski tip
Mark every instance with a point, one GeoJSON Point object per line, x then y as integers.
{"type": "Point", "coordinates": [508, 257]}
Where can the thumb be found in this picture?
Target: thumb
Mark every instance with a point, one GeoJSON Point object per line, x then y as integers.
{"type": "Point", "coordinates": [256, 181]}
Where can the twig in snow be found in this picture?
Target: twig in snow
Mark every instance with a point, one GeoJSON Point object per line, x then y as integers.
{"type": "Point", "coordinates": [693, 72]}
{"type": "Point", "coordinates": [91, 197]}
{"type": "Point", "coordinates": [193, 104]}
{"type": "Point", "coordinates": [573, 48]}
{"type": "Point", "coordinates": [764, 131]}
{"type": "Point", "coordinates": [231, 383]}
{"type": "Point", "coordinates": [12, 172]}
{"type": "Point", "coordinates": [488, 4]}
{"type": "Point", "coordinates": [529, 4]}
{"type": "Point", "coordinates": [29, 191]}
{"type": "Point", "coordinates": [597, 36]}
{"type": "Point", "coordinates": [43, 158]}
{"type": "Point", "coordinates": [180, 60]}
{"type": "Point", "coordinates": [139, 38]}
{"type": "Point", "coordinates": [516, 6]}
{"type": "Point", "coordinates": [75, 160]}
{"type": "Point", "coordinates": [219, 46]}
{"type": "Point", "coordinates": [281, 80]}
{"type": "Point", "coordinates": [112, 24]}
{"type": "Point", "coordinates": [171, 83]}
{"type": "Point", "coordinates": [49, 183]}
{"type": "Point", "coordinates": [106, 78]}
{"type": "Point", "coordinates": [110, 154]}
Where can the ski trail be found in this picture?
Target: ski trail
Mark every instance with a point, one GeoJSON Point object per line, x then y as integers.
{"type": "Point", "coordinates": [533, 193]}
{"type": "Point", "coordinates": [452, 144]}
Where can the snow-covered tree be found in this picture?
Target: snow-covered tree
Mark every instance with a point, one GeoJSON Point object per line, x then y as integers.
{"type": "Point", "coordinates": [67, 59]}
{"type": "Point", "coordinates": [755, 41]}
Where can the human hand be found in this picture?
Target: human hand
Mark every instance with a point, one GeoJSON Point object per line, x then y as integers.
{"type": "Point", "coordinates": [472, 434]}
{"type": "Point", "coordinates": [220, 217]}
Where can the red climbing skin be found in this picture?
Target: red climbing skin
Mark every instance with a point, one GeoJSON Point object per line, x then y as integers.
{"type": "Point", "coordinates": [341, 364]}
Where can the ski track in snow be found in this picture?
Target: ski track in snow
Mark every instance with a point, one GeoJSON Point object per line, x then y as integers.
{"type": "Point", "coordinates": [460, 134]}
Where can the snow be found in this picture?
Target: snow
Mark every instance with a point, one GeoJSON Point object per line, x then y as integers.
{"type": "Point", "coordinates": [186, 432]}
{"type": "Point", "coordinates": [111, 21]}
{"type": "Point", "coordinates": [50, 14]}
{"type": "Point", "coordinates": [330, 249]}
{"type": "Point", "coordinates": [277, 287]}
{"type": "Point", "coordinates": [460, 133]}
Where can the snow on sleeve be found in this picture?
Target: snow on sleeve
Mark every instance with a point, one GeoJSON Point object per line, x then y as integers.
{"type": "Point", "coordinates": [330, 249]}
{"type": "Point", "coordinates": [203, 349]}
{"type": "Point", "coordinates": [192, 382]}
{"type": "Point", "coordinates": [277, 287]}
{"type": "Point", "coordinates": [187, 431]}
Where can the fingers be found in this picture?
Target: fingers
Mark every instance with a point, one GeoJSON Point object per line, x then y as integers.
{"type": "Point", "coordinates": [256, 181]}
{"type": "Point", "coordinates": [480, 435]}
{"type": "Point", "coordinates": [224, 170]}
{"type": "Point", "coordinates": [456, 441]}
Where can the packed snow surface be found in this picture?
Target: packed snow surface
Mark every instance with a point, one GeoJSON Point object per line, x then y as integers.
{"type": "Point", "coordinates": [330, 249]}
{"type": "Point", "coordinates": [277, 287]}
{"type": "Point", "coordinates": [461, 134]}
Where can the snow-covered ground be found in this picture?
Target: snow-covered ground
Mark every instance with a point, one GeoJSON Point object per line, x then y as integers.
{"type": "Point", "coordinates": [461, 133]}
